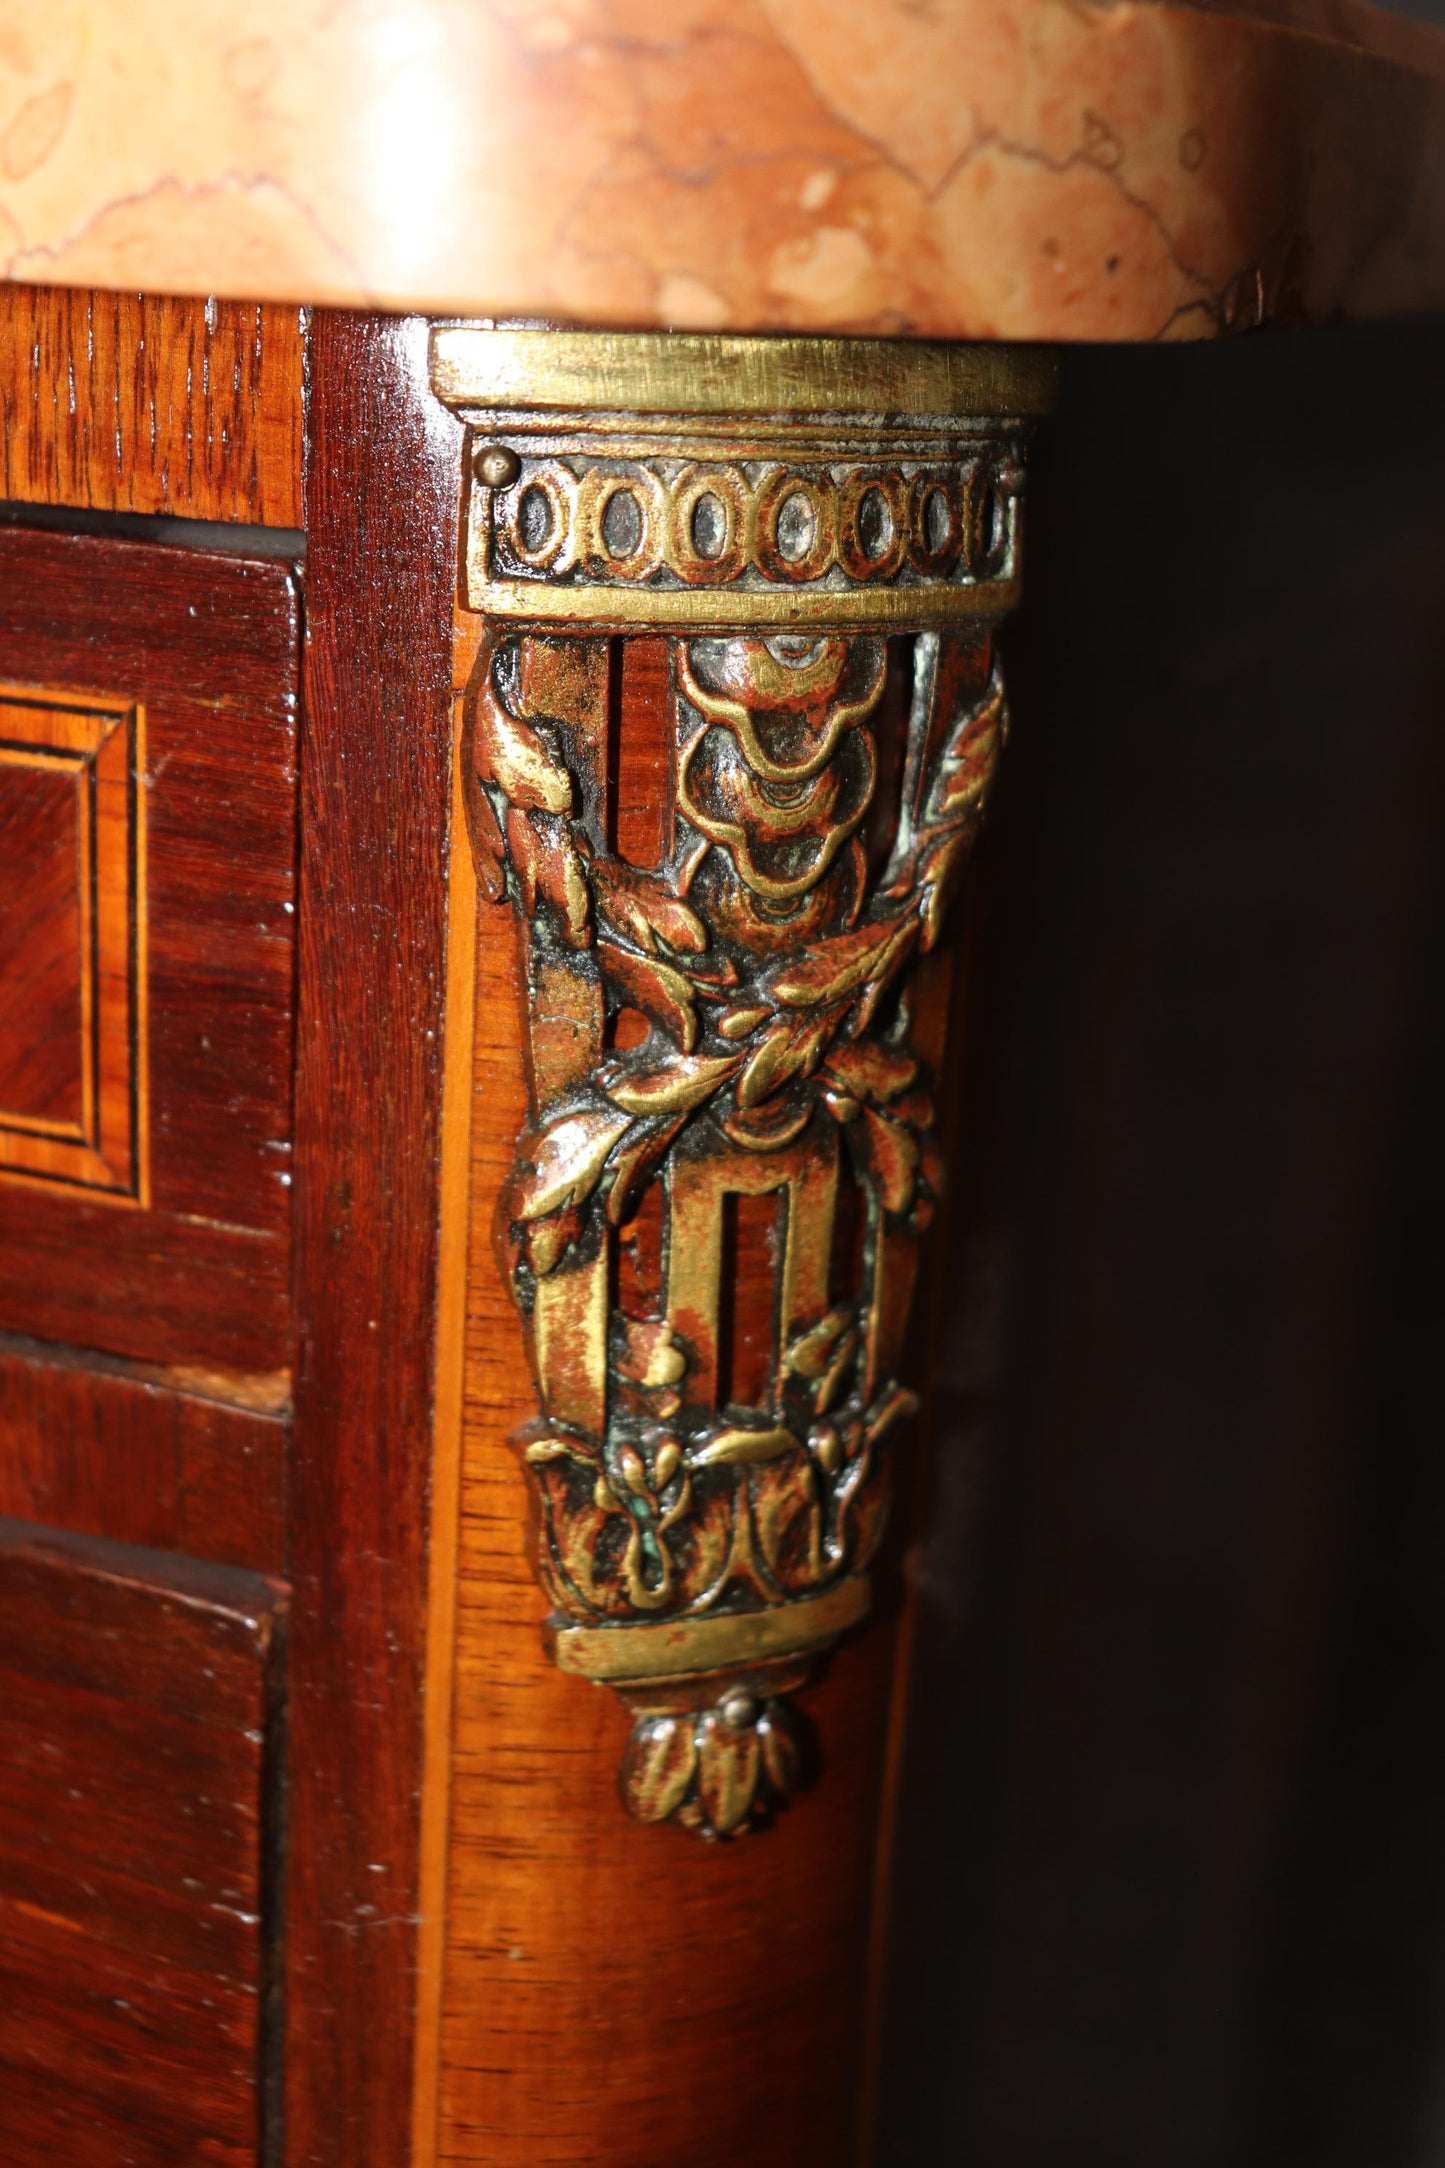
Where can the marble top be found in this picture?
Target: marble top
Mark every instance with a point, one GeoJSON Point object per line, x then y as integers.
{"type": "Point", "coordinates": [980, 169]}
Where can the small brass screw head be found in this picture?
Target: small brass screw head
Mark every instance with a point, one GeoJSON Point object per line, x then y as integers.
{"type": "Point", "coordinates": [497, 465]}
{"type": "Point", "coordinates": [738, 1710]}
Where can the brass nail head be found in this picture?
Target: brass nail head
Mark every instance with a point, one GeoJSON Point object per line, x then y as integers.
{"type": "Point", "coordinates": [738, 1711]}
{"type": "Point", "coordinates": [497, 465]}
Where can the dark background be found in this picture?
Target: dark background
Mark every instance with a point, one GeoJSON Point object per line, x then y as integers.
{"type": "Point", "coordinates": [1171, 1847]}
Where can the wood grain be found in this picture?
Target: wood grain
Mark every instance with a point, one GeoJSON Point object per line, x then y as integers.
{"type": "Point", "coordinates": [640, 759]}
{"type": "Point", "coordinates": [41, 957]}
{"type": "Point", "coordinates": [130, 403]}
{"type": "Point", "coordinates": [447, 1417]}
{"type": "Point", "coordinates": [384, 482]}
{"type": "Point", "coordinates": [110, 1450]}
{"type": "Point", "coordinates": [752, 1243]}
{"type": "Point", "coordinates": [620, 1996]}
{"type": "Point", "coordinates": [207, 647]}
{"type": "Point", "coordinates": [139, 1697]}
{"type": "Point", "coordinates": [72, 968]}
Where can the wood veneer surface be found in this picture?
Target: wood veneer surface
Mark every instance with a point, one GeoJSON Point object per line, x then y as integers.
{"type": "Point", "coordinates": [120, 402]}
{"type": "Point", "coordinates": [974, 169]}
{"type": "Point", "coordinates": [138, 1697]}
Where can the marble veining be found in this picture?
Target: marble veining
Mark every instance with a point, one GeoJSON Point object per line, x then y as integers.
{"type": "Point", "coordinates": [1052, 169]}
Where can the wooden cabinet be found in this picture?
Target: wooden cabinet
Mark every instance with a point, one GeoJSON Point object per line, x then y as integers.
{"type": "Point", "coordinates": [262, 1073]}
{"type": "Point", "coordinates": [479, 806]}
{"type": "Point", "coordinates": [479, 802]}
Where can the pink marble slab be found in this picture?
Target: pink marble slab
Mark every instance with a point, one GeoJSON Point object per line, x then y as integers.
{"type": "Point", "coordinates": [1025, 169]}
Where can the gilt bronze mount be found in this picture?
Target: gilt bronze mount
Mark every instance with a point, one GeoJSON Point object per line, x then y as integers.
{"type": "Point", "coordinates": [816, 539]}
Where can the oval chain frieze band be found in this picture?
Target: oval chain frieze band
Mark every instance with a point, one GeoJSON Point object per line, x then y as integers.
{"type": "Point", "coordinates": [626, 524]}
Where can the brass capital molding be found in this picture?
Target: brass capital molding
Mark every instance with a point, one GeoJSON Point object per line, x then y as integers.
{"type": "Point", "coordinates": [526, 373]}
{"type": "Point", "coordinates": [817, 538]}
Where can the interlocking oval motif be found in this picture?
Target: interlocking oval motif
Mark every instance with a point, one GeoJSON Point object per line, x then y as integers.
{"type": "Point", "coordinates": [713, 524]}
{"type": "Point", "coordinates": [726, 491]}
{"type": "Point", "coordinates": [621, 523]}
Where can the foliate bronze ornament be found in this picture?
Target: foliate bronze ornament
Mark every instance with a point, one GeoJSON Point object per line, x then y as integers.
{"type": "Point", "coordinates": [821, 576]}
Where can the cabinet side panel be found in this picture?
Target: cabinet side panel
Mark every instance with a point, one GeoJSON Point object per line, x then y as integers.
{"type": "Point", "coordinates": [618, 1994]}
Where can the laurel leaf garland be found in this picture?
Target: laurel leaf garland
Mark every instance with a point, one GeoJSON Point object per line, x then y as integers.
{"type": "Point", "coordinates": [640, 907]}
{"type": "Point", "coordinates": [560, 1164]}
{"type": "Point", "coordinates": [663, 994]}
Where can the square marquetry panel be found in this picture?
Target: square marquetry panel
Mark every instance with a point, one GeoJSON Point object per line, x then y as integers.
{"type": "Point", "coordinates": [148, 727]}
{"type": "Point", "coordinates": [71, 976]}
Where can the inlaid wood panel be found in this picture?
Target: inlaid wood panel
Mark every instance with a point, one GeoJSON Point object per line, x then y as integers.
{"type": "Point", "coordinates": [42, 953]}
{"type": "Point", "coordinates": [140, 1455]}
{"type": "Point", "coordinates": [132, 403]}
{"type": "Point", "coordinates": [148, 704]}
{"type": "Point", "coordinates": [71, 969]}
{"type": "Point", "coordinates": [139, 1708]}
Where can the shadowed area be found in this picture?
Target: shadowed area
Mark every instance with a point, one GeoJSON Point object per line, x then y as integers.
{"type": "Point", "coordinates": [1171, 1862]}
